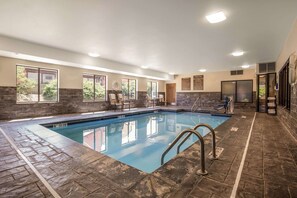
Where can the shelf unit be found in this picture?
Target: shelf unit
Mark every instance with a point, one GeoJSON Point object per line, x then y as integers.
{"type": "Point", "coordinates": [271, 106]}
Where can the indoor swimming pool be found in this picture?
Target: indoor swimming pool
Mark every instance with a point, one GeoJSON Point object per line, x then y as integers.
{"type": "Point", "coordinates": [138, 140]}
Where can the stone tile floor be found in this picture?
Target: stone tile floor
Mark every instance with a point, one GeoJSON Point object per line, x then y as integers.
{"type": "Point", "coordinates": [76, 171]}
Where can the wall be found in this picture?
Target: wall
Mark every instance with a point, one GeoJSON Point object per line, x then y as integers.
{"type": "Point", "coordinates": [211, 94]}
{"type": "Point", "coordinates": [70, 91]}
{"type": "Point", "coordinates": [289, 118]}
{"type": "Point", "coordinates": [290, 47]}
{"type": "Point", "coordinates": [212, 80]}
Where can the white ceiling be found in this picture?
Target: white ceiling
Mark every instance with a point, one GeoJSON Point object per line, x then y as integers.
{"type": "Point", "coordinates": [166, 35]}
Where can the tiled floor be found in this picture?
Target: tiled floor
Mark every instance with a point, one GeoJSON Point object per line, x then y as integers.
{"type": "Point", "coordinates": [76, 171]}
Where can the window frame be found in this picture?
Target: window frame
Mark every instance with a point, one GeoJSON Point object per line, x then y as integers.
{"type": "Point", "coordinates": [128, 81]}
{"type": "Point", "coordinates": [235, 99]}
{"type": "Point", "coordinates": [38, 84]}
{"type": "Point", "coordinates": [284, 93]}
{"type": "Point", "coordinates": [151, 90]}
{"type": "Point", "coordinates": [94, 87]}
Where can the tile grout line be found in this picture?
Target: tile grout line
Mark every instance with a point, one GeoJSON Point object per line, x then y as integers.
{"type": "Point", "coordinates": [46, 184]}
{"type": "Point", "coordinates": [287, 129]}
{"type": "Point", "coordinates": [238, 176]}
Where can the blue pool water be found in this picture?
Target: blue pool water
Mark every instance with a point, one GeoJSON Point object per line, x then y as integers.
{"type": "Point", "coordinates": [138, 140]}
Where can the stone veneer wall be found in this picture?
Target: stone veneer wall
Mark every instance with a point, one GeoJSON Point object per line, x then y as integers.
{"type": "Point", "coordinates": [289, 118]}
{"type": "Point", "coordinates": [209, 99]}
{"type": "Point", "coordinates": [70, 101]}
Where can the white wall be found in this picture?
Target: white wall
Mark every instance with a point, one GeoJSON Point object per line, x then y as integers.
{"type": "Point", "coordinates": [70, 77]}
{"type": "Point", "coordinates": [212, 80]}
{"type": "Point", "coordinates": [290, 47]}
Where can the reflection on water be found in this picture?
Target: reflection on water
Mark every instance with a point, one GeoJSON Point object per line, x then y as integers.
{"type": "Point", "coordinates": [129, 132]}
{"type": "Point", "coordinates": [95, 138]}
{"type": "Point", "coordinates": [138, 140]}
{"type": "Point", "coordinates": [152, 127]}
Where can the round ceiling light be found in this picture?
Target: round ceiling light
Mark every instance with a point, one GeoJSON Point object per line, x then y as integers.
{"type": "Point", "coordinates": [93, 54]}
{"type": "Point", "coordinates": [237, 53]}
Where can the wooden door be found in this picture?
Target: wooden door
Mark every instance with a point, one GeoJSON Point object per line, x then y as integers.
{"type": "Point", "coordinates": [170, 92]}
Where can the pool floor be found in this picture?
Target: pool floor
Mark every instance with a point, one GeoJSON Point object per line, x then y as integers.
{"type": "Point", "coordinates": [139, 140]}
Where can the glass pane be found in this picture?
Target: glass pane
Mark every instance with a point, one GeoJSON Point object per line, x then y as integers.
{"type": "Point", "coordinates": [132, 89]}
{"type": "Point", "coordinates": [48, 85]}
{"type": "Point", "coordinates": [228, 89]}
{"type": "Point", "coordinates": [88, 87]}
{"type": "Point", "coordinates": [262, 93]}
{"type": "Point", "coordinates": [245, 91]}
{"type": "Point", "coordinates": [149, 89]}
{"type": "Point", "coordinates": [27, 84]}
{"type": "Point", "coordinates": [100, 88]}
{"type": "Point", "coordinates": [271, 85]}
{"type": "Point", "coordinates": [125, 87]}
{"type": "Point", "coordinates": [154, 89]}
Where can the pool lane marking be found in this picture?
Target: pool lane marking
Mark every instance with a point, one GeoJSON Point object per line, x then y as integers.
{"type": "Point", "coordinates": [238, 176]}
{"type": "Point", "coordinates": [46, 184]}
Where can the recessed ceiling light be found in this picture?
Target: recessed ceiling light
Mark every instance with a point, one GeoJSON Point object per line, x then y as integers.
{"type": "Point", "coordinates": [93, 54]}
{"type": "Point", "coordinates": [171, 73]}
{"type": "Point", "coordinates": [216, 17]}
{"type": "Point", "coordinates": [245, 66]}
{"type": "Point", "coordinates": [237, 53]}
{"type": "Point", "coordinates": [144, 67]}
{"type": "Point", "coordinates": [202, 70]}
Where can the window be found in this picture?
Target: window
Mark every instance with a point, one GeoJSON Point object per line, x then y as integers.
{"type": "Point", "coordinates": [36, 84]}
{"type": "Point", "coordinates": [244, 91]}
{"type": "Point", "coordinates": [152, 89]}
{"type": "Point", "coordinates": [94, 88]}
{"type": "Point", "coordinates": [241, 90]}
{"type": "Point", "coordinates": [284, 86]}
{"type": "Point", "coordinates": [129, 88]}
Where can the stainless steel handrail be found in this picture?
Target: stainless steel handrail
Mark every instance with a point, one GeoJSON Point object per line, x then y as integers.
{"type": "Point", "coordinates": [202, 154]}
{"type": "Point", "coordinates": [213, 139]}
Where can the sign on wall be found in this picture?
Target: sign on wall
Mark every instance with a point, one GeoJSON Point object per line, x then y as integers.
{"type": "Point", "coordinates": [186, 83]}
{"type": "Point", "coordinates": [198, 81]}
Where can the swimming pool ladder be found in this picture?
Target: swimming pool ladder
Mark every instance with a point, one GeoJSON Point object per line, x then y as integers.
{"type": "Point", "coordinates": [214, 157]}
{"type": "Point", "coordinates": [202, 171]}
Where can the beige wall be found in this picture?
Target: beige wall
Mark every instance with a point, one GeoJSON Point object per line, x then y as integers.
{"type": "Point", "coordinates": [212, 80]}
{"type": "Point", "coordinates": [290, 47]}
{"type": "Point", "coordinates": [70, 77]}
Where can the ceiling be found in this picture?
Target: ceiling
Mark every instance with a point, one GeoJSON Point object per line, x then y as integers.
{"type": "Point", "coordinates": [167, 35]}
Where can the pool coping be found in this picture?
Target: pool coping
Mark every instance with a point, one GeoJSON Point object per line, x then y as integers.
{"type": "Point", "coordinates": [43, 130]}
{"type": "Point", "coordinates": [50, 136]}
{"type": "Point", "coordinates": [106, 117]}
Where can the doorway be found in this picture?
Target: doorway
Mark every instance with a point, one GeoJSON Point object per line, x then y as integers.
{"type": "Point", "coordinates": [171, 93]}
{"type": "Point", "coordinates": [265, 90]}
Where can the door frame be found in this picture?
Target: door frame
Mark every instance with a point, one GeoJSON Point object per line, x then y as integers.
{"type": "Point", "coordinates": [266, 89]}
{"type": "Point", "coordinates": [167, 93]}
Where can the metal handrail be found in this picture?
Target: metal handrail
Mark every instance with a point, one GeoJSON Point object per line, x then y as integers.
{"type": "Point", "coordinates": [202, 154]}
{"type": "Point", "coordinates": [214, 157]}
{"type": "Point", "coordinates": [195, 104]}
